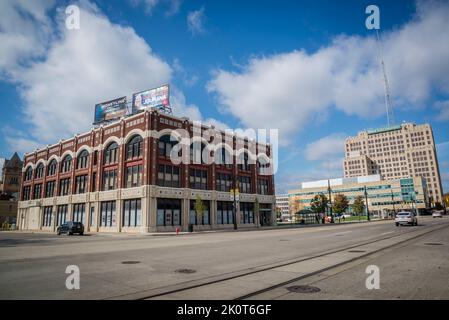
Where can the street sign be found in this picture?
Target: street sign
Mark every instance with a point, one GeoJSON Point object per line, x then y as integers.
{"type": "Point", "coordinates": [237, 195]}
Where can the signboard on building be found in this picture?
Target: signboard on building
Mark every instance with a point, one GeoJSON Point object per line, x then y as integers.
{"type": "Point", "coordinates": [237, 194]}
{"type": "Point", "coordinates": [153, 98]}
{"type": "Point", "coordinates": [110, 110]}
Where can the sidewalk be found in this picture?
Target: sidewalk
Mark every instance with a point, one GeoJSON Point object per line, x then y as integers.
{"type": "Point", "coordinates": [183, 233]}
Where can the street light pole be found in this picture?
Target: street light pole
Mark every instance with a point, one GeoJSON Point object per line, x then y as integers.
{"type": "Point", "coordinates": [234, 182]}
{"type": "Point", "coordinates": [392, 201]}
{"type": "Point", "coordinates": [366, 204]}
{"type": "Point", "coordinates": [329, 190]}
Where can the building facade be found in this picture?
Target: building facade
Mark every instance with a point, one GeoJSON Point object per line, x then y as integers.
{"type": "Point", "coordinates": [283, 205]}
{"type": "Point", "coordinates": [11, 174]}
{"type": "Point", "coordinates": [406, 150]}
{"type": "Point", "coordinates": [123, 177]}
{"type": "Point", "coordinates": [383, 196]}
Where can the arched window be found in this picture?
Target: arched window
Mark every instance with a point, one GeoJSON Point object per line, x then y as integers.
{"type": "Point", "coordinates": [263, 166]}
{"type": "Point", "coordinates": [134, 147]}
{"type": "Point", "coordinates": [166, 145]}
{"type": "Point", "coordinates": [196, 152]}
{"type": "Point", "coordinates": [82, 160]}
{"type": "Point", "coordinates": [111, 153]}
{"type": "Point", "coordinates": [40, 170]}
{"type": "Point", "coordinates": [243, 163]}
{"type": "Point", "coordinates": [28, 174]}
{"type": "Point", "coordinates": [52, 166]}
{"type": "Point", "coordinates": [66, 164]}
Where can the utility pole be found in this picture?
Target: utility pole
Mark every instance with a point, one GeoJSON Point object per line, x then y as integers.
{"type": "Point", "coordinates": [366, 204]}
{"type": "Point", "coordinates": [234, 182]}
{"type": "Point", "coordinates": [392, 201]}
{"type": "Point", "coordinates": [329, 190]}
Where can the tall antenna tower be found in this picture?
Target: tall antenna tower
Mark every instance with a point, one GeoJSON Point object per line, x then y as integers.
{"type": "Point", "coordinates": [388, 106]}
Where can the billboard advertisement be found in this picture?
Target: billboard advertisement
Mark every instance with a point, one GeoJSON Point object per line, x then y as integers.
{"type": "Point", "coordinates": [110, 110]}
{"type": "Point", "coordinates": [153, 98]}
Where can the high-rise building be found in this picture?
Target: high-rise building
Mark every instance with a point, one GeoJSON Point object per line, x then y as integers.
{"type": "Point", "coordinates": [396, 152]}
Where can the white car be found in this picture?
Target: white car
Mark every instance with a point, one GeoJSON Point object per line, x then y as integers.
{"type": "Point", "coordinates": [437, 214]}
{"type": "Point", "coordinates": [405, 217]}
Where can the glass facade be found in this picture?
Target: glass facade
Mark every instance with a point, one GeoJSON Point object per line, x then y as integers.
{"type": "Point", "coordinates": [195, 218]}
{"type": "Point", "coordinates": [47, 216]}
{"type": "Point", "coordinates": [246, 212]}
{"type": "Point", "coordinates": [61, 214]}
{"type": "Point", "coordinates": [168, 212]}
{"type": "Point", "coordinates": [79, 212]}
{"type": "Point", "coordinates": [132, 213]}
{"type": "Point", "coordinates": [107, 214]}
{"type": "Point", "coordinates": [225, 212]}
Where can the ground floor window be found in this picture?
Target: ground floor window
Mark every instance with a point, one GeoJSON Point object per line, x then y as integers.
{"type": "Point", "coordinates": [79, 212]}
{"type": "Point", "coordinates": [265, 213]}
{"type": "Point", "coordinates": [195, 218]}
{"type": "Point", "coordinates": [224, 212]}
{"type": "Point", "coordinates": [246, 212]}
{"type": "Point", "coordinates": [61, 214]}
{"type": "Point", "coordinates": [46, 219]}
{"type": "Point", "coordinates": [168, 212]}
{"type": "Point", "coordinates": [92, 216]}
{"type": "Point", "coordinates": [132, 213]}
{"type": "Point", "coordinates": [107, 214]}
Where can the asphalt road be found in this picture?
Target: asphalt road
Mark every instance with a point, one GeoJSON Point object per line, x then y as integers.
{"type": "Point", "coordinates": [230, 265]}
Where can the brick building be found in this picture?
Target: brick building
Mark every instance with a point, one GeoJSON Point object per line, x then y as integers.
{"type": "Point", "coordinates": [121, 177]}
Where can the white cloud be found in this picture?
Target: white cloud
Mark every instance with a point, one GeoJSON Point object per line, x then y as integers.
{"type": "Point", "coordinates": [195, 21]}
{"type": "Point", "coordinates": [171, 6]}
{"type": "Point", "coordinates": [98, 62]}
{"type": "Point", "coordinates": [289, 90]}
{"type": "Point", "coordinates": [25, 31]}
{"type": "Point", "coordinates": [292, 180]}
{"type": "Point", "coordinates": [443, 110]}
{"type": "Point", "coordinates": [326, 147]}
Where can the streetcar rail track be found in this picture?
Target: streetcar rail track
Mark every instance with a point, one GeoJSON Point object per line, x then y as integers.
{"type": "Point", "coordinates": [259, 269]}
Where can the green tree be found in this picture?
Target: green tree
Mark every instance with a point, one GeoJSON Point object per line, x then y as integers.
{"type": "Point", "coordinates": [340, 204]}
{"type": "Point", "coordinates": [200, 207]}
{"type": "Point", "coordinates": [358, 206]}
{"type": "Point", "coordinates": [318, 205]}
{"type": "Point", "coordinates": [438, 206]}
{"type": "Point", "coordinates": [446, 199]}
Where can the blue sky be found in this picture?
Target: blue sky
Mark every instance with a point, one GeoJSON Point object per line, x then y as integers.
{"type": "Point", "coordinates": [307, 68]}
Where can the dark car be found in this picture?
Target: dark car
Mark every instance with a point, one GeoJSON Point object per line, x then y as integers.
{"type": "Point", "coordinates": [70, 228]}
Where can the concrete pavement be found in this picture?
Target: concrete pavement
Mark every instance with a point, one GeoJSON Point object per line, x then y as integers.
{"type": "Point", "coordinates": [32, 266]}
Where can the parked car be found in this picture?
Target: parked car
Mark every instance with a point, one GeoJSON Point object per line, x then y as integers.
{"type": "Point", "coordinates": [437, 214]}
{"type": "Point", "coordinates": [70, 228]}
{"type": "Point", "coordinates": [405, 217]}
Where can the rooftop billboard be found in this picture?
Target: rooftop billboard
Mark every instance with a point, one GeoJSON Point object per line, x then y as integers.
{"type": "Point", "coordinates": [110, 110]}
{"type": "Point", "coordinates": [153, 98]}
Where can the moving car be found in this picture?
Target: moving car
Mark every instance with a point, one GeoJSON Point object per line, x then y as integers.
{"type": "Point", "coordinates": [70, 228]}
{"type": "Point", "coordinates": [405, 217]}
{"type": "Point", "coordinates": [437, 214]}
